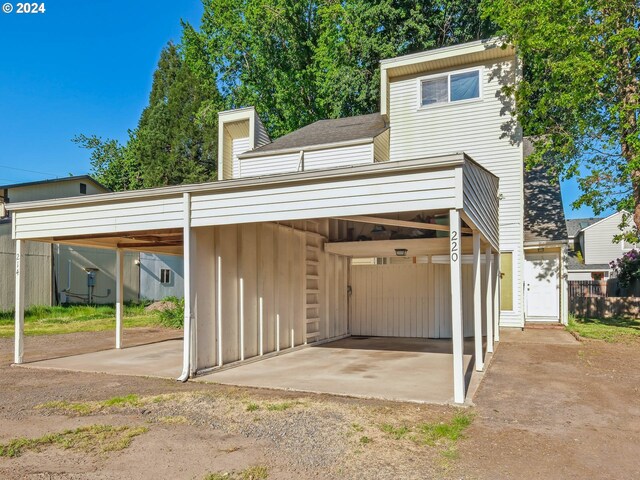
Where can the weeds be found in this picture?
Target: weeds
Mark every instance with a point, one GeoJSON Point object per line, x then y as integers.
{"type": "Point", "coordinates": [173, 317]}
{"type": "Point", "coordinates": [100, 438]}
{"type": "Point", "coordinates": [396, 432]}
{"type": "Point", "coordinates": [432, 433]}
{"type": "Point", "coordinates": [252, 407]}
{"type": "Point", "coordinates": [279, 407]}
{"type": "Point", "coordinates": [87, 408]}
{"type": "Point", "coordinates": [251, 473]}
{"type": "Point", "coordinates": [364, 440]}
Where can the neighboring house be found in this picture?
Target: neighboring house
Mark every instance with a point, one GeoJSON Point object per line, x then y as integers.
{"type": "Point", "coordinates": [61, 273]}
{"type": "Point", "coordinates": [273, 252]}
{"type": "Point", "coordinates": [592, 245]}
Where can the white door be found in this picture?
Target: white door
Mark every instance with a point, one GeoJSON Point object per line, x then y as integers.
{"type": "Point", "coordinates": [542, 292]}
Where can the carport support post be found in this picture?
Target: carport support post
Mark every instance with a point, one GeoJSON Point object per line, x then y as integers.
{"type": "Point", "coordinates": [187, 275]}
{"type": "Point", "coordinates": [457, 339]}
{"type": "Point", "coordinates": [496, 297]}
{"type": "Point", "coordinates": [489, 298]}
{"type": "Point", "coordinates": [477, 302]}
{"type": "Point", "coordinates": [119, 296]}
{"type": "Point", "coordinates": [19, 306]}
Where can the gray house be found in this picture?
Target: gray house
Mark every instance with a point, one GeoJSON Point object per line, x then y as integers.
{"type": "Point", "coordinates": [592, 245]}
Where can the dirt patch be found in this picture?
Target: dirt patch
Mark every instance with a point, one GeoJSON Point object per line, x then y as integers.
{"type": "Point", "coordinates": [542, 411]}
{"type": "Point", "coordinates": [160, 306]}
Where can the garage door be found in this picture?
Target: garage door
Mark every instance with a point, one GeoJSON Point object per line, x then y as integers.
{"type": "Point", "coordinates": [408, 300]}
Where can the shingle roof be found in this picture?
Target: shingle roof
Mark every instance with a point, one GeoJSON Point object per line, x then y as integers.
{"type": "Point", "coordinates": [574, 263]}
{"type": "Point", "coordinates": [543, 212]}
{"type": "Point", "coordinates": [328, 131]}
{"type": "Point", "coordinates": [574, 225]}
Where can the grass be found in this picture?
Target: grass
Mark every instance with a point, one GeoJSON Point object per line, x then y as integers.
{"type": "Point", "coordinates": [279, 407]}
{"type": "Point", "coordinates": [93, 438]}
{"type": "Point", "coordinates": [87, 408]}
{"type": "Point", "coordinates": [76, 318]}
{"type": "Point", "coordinates": [616, 329]}
{"type": "Point", "coordinates": [252, 473]}
{"type": "Point", "coordinates": [441, 434]}
{"type": "Point", "coordinates": [252, 407]}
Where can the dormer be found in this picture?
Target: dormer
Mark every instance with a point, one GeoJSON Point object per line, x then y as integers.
{"type": "Point", "coordinates": [448, 99]}
{"type": "Point", "coordinates": [239, 131]}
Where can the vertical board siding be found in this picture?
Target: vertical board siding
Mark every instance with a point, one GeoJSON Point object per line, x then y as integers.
{"type": "Point", "coordinates": [268, 258]}
{"type": "Point", "coordinates": [478, 128]}
{"type": "Point", "coordinates": [411, 300]}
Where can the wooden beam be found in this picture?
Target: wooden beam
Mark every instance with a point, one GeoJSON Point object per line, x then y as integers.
{"type": "Point", "coordinates": [149, 244]}
{"type": "Point", "coordinates": [400, 223]}
{"type": "Point", "coordinates": [118, 234]}
{"type": "Point", "coordinates": [386, 248]}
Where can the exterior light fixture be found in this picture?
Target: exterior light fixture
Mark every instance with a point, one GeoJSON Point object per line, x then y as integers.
{"type": "Point", "coordinates": [401, 252]}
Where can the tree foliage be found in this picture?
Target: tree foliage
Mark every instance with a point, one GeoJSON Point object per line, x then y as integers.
{"type": "Point", "coordinates": [295, 61]}
{"type": "Point", "coordinates": [579, 96]}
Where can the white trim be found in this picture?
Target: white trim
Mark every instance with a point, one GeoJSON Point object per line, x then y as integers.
{"type": "Point", "coordinates": [449, 102]}
{"type": "Point", "coordinates": [308, 148]}
{"type": "Point", "coordinates": [600, 221]}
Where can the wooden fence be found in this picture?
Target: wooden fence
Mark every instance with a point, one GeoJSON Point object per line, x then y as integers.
{"type": "Point", "coordinates": [587, 288]}
{"type": "Point", "coordinates": [603, 307]}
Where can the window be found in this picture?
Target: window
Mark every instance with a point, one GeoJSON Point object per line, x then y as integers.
{"type": "Point", "coordinates": [165, 275]}
{"type": "Point", "coordinates": [451, 87]}
{"type": "Point", "coordinates": [506, 282]}
{"type": "Point", "coordinates": [83, 188]}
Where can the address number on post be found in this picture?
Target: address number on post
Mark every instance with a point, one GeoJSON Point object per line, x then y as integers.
{"type": "Point", "coordinates": [454, 246]}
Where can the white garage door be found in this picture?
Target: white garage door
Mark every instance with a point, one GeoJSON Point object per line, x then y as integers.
{"type": "Point", "coordinates": [409, 300]}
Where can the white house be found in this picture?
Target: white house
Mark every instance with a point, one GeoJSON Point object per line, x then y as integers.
{"type": "Point", "coordinates": [61, 273]}
{"type": "Point", "coordinates": [294, 246]}
{"type": "Point", "coordinates": [592, 245]}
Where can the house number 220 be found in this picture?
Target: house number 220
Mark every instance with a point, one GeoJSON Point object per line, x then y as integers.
{"type": "Point", "coordinates": [454, 246]}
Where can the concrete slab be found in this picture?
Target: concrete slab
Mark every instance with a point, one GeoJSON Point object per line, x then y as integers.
{"type": "Point", "coordinates": [550, 336]}
{"type": "Point", "coordinates": [162, 359]}
{"type": "Point", "coordinates": [405, 369]}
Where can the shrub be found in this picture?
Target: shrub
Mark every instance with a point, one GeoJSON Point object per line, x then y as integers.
{"type": "Point", "coordinates": [173, 317]}
{"type": "Point", "coordinates": [627, 267]}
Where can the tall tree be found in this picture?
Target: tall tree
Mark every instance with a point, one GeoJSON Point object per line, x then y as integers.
{"type": "Point", "coordinates": [580, 94]}
{"type": "Point", "coordinates": [300, 61]}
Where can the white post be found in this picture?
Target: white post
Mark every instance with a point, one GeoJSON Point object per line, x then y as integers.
{"type": "Point", "coordinates": [219, 308]}
{"type": "Point", "coordinates": [457, 335]}
{"type": "Point", "coordinates": [261, 326]}
{"type": "Point", "coordinates": [277, 332]}
{"type": "Point", "coordinates": [241, 319]}
{"type": "Point", "coordinates": [119, 296]}
{"type": "Point", "coordinates": [19, 306]}
{"type": "Point", "coordinates": [489, 298]}
{"type": "Point", "coordinates": [186, 260]}
{"type": "Point", "coordinates": [477, 303]}
{"type": "Point", "coordinates": [496, 298]}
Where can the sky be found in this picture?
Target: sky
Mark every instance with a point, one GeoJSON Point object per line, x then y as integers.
{"type": "Point", "coordinates": [86, 67]}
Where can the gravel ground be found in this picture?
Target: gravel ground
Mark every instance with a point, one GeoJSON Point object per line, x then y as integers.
{"type": "Point", "coordinates": [543, 411]}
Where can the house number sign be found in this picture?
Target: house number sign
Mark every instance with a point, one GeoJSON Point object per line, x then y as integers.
{"type": "Point", "coordinates": [454, 246]}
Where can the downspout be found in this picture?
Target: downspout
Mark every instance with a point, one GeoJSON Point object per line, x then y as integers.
{"type": "Point", "coordinates": [186, 258]}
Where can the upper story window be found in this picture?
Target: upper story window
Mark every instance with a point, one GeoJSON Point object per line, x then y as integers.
{"type": "Point", "coordinates": [83, 189]}
{"type": "Point", "coordinates": [450, 87]}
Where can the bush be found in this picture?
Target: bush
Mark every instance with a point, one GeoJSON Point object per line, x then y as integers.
{"type": "Point", "coordinates": [173, 317]}
{"type": "Point", "coordinates": [627, 267]}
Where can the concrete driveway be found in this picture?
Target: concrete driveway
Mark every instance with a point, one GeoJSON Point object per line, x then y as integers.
{"type": "Point", "coordinates": [406, 369]}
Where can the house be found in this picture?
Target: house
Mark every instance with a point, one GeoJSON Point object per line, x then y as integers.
{"type": "Point", "coordinates": [63, 273]}
{"type": "Point", "coordinates": [592, 246]}
{"type": "Point", "coordinates": [298, 242]}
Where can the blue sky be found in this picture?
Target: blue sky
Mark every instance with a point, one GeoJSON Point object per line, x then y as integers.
{"type": "Point", "coordinates": [86, 67]}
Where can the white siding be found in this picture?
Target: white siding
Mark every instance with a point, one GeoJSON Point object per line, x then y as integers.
{"type": "Point", "coordinates": [476, 128]}
{"type": "Point", "coordinates": [338, 157]}
{"type": "Point", "coordinates": [45, 191]}
{"type": "Point", "coordinates": [432, 190]}
{"type": "Point", "coordinates": [599, 246]}
{"type": "Point", "coordinates": [261, 135]}
{"type": "Point", "coordinates": [259, 166]}
{"type": "Point", "coordinates": [125, 216]}
{"type": "Point", "coordinates": [481, 200]}
{"type": "Point", "coordinates": [239, 145]}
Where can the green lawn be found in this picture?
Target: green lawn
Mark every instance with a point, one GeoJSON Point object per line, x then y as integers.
{"type": "Point", "coordinates": [77, 318]}
{"type": "Point", "coordinates": [609, 329]}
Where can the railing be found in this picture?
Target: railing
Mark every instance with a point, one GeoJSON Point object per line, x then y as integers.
{"type": "Point", "coordinates": [587, 288]}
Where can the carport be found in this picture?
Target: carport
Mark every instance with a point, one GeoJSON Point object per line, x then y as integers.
{"type": "Point", "coordinates": [268, 260]}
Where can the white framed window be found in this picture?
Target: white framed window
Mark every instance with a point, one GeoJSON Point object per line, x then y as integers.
{"type": "Point", "coordinates": [450, 87]}
{"type": "Point", "coordinates": [165, 275]}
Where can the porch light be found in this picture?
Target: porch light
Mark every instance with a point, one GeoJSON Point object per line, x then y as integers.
{"type": "Point", "coordinates": [401, 252]}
